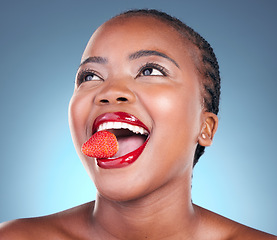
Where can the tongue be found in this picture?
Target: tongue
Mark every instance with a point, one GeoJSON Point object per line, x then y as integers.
{"type": "Point", "coordinates": [128, 144]}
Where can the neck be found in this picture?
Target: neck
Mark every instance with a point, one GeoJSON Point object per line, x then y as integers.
{"type": "Point", "coordinates": [164, 214]}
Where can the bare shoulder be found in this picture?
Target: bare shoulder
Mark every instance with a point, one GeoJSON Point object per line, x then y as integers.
{"type": "Point", "coordinates": [63, 225]}
{"type": "Point", "coordinates": [215, 226]}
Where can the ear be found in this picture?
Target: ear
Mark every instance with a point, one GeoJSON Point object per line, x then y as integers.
{"type": "Point", "coordinates": [209, 127]}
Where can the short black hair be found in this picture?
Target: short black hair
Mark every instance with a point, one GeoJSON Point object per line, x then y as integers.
{"type": "Point", "coordinates": [207, 65]}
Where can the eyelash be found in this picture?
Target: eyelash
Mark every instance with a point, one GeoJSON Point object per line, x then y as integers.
{"type": "Point", "coordinates": [84, 73]}
{"type": "Point", "coordinates": [153, 65]}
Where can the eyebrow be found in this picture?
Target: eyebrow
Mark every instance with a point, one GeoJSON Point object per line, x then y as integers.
{"type": "Point", "coordinates": [144, 53]}
{"type": "Point", "coordinates": [132, 56]}
{"type": "Point", "coordinates": [100, 60]}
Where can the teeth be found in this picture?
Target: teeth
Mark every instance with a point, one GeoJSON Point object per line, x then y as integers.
{"type": "Point", "coordinates": [125, 126]}
{"type": "Point", "coordinates": [109, 125]}
{"type": "Point", "coordinates": [136, 129]}
{"type": "Point", "coordinates": [117, 125]}
{"type": "Point", "coordinates": [121, 125]}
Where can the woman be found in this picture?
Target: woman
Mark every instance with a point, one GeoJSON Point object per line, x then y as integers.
{"type": "Point", "coordinates": [151, 74]}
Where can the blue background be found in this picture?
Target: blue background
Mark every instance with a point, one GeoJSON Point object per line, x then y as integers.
{"type": "Point", "coordinates": [41, 46]}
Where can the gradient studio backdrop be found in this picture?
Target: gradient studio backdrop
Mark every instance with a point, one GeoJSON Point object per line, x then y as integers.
{"type": "Point", "coordinates": [41, 46]}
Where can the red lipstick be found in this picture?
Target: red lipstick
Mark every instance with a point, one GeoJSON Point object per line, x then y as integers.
{"type": "Point", "coordinates": [127, 159]}
{"type": "Point", "coordinates": [117, 117]}
{"type": "Point", "coordinates": [121, 161]}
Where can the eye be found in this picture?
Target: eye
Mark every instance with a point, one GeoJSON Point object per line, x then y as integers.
{"type": "Point", "coordinates": [87, 76]}
{"type": "Point", "coordinates": [152, 69]}
{"type": "Point", "coordinates": [91, 77]}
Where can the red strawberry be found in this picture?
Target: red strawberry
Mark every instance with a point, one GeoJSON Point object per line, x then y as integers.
{"type": "Point", "coordinates": [102, 144]}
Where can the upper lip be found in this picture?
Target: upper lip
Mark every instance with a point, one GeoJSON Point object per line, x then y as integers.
{"type": "Point", "coordinates": [118, 117]}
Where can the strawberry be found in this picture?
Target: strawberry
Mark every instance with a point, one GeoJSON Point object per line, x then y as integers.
{"type": "Point", "coordinates": [102, 144]}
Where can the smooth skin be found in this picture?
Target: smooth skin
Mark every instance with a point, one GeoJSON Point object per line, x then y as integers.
{"type": "Point", "coordinates": [151, 198]}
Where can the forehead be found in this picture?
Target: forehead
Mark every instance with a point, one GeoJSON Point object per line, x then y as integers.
{"type": "Point", "coordinates": [130, 34]}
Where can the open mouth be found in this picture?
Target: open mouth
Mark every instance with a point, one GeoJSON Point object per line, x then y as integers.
{"type": "Point", "coordinates": [132, 136]}
{"type": "Point", "coordinates": [129, 137]}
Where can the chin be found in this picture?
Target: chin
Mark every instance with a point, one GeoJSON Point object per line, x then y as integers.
{"type": "Point", "coordinates": [123, 184]}
{"type": "Point", "coordinates": [122, 193]}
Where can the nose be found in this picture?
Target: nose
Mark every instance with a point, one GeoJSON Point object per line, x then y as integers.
{"type": "Point", "coordinates": [114, 93]}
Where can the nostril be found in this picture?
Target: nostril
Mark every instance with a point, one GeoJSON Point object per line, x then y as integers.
{"type": "Point", "coordinates": [117, 100]}
{"type": "Point", "coordinates": [104, 101]}
{"type": "Point", "coordinates": [122, 99]}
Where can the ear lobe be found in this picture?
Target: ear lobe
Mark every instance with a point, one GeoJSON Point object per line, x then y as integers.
{"type": "Point", "coordinates": [208, 130]}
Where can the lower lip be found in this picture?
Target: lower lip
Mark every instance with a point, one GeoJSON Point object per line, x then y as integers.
{"type": "Point", "coordinates": [123, 161]}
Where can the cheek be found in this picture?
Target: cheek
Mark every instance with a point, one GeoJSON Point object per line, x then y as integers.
{"type": "Point", "coordinates": [163, 102]}
{"type": "Point", "coordinates": [79, 110]}
{"type": "Point", "coordinates": [171, 105]}
{"type": "Point", "coordinates": [176, 114]}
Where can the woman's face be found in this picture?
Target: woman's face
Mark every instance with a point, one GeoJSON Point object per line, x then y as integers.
{"type": "Point", "coordinates": [139, 66]}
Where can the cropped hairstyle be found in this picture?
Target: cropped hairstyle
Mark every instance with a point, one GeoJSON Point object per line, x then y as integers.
{"type": "Point", "coordinates": [205, 61]}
